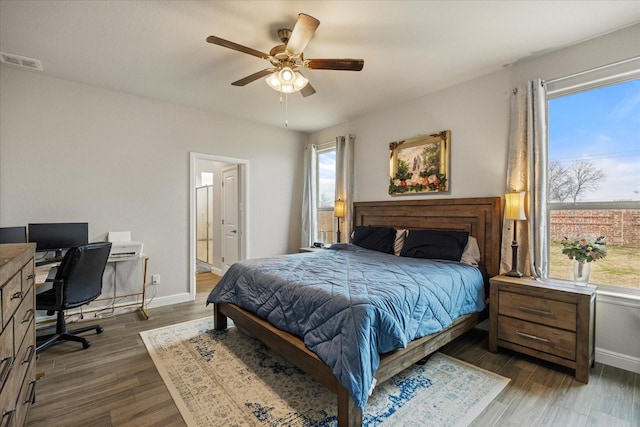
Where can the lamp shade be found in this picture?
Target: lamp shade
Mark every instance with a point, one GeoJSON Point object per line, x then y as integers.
{"type": "Point", "coordinates": [339, 209]}
{"type": "Point", "coordinates": [515, 206]}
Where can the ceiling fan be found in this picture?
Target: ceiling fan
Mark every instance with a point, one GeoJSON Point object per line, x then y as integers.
{"type": "Point", "coordinates": [288, 57]}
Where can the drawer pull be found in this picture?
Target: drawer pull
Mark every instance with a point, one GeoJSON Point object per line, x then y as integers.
{"type": "Point", "coordinates": [535, 311]}
{"type": "Point", "coordinates": [7, 362]}
{"type": "Point", "coordinates": [28, 315]}
{"type": "Point", "coordinates": [31, 396]}
{"type": "Point", "coordinates": [533, 337]}
{"type": "Point", "coordinates": [29, 354]}
{"type": "Point", "coordinates": [17, 295]}
{"type": "Point", "coordinates": [7, 417]}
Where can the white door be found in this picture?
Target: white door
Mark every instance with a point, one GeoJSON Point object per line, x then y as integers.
{"type": "Point", "coordinates": [230, 217]}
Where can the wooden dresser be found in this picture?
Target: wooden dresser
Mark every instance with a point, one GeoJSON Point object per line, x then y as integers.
{"type": "Point", "coordinates": [18, 336]}
{"type": "Point", "coordinates": [550, 320]}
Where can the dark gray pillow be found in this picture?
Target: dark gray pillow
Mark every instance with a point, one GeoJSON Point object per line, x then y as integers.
{"type": "Point", "coordinates": [379, 239]}
{"type": "Point", "coordinates": [435, 244]}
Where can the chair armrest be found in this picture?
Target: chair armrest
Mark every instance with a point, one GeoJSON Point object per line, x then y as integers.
{"type": "Point", "coordinates": [58, 290]}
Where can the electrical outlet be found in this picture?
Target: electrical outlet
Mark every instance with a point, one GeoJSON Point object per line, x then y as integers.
{"type": "Point", "coordinates": [155, 279]}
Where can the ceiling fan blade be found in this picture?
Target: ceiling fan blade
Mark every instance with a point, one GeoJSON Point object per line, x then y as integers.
{"type": "Point", "coordinates": [236, 46]}
{"type": "Point", "coordinates": [308, 90]}
{"type": "Point", "coordinates": [302, 32]}
{"type": "Point", "coordinates": [253, 77]}
{"type": "Point", "coordinates": [344, 64]}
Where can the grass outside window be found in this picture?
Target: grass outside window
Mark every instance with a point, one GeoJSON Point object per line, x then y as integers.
{"type": "Point", "coordinates": [621, 267]}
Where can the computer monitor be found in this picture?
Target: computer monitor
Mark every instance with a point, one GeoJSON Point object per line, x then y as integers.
{"type": "Point", "coordinates": [13, 234]}
{"type": "Point", "coordinates": [58, 236]}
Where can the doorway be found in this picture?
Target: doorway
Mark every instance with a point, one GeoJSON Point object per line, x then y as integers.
{"type": "Point", "coordinates": [217, 214]}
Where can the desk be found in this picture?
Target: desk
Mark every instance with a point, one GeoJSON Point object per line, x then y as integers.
{"type": "Point", "coordinates": [42, 273]}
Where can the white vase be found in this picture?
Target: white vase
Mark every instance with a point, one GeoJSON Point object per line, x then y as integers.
{"type": "Point", "coordinates": [581, 272]}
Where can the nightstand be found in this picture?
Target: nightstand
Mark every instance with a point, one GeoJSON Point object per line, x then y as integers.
{"type": "Point", "coordinates": [551, 320]}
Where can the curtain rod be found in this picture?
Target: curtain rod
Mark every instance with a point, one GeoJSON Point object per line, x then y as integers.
{"type": "Point", "coordinates": [602, 67]}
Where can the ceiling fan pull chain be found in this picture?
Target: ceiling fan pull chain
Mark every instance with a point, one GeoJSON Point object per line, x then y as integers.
{"type": "Point", "coordinates": [286, 108]}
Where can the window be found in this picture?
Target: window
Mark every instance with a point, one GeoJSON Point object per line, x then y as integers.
{"type": "Point", "coordinates": [206, 178]}
{"type": "Point", "coordinates": [326, 167]}
{"type": "Point", "coordinates": [594, 176]}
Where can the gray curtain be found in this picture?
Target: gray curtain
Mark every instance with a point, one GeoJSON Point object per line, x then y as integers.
{"type": "Point", "coordinates": [527, 171]}
{"type": "Point", "coordinates": [344, 182]}
{"type": "Point", "coordinates": [309, 197]}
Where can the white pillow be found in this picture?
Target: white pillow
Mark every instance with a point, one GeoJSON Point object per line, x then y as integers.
{"type": "Point", "coordinates": [471, 254]}
{"type": "Point", "coordinates": [399, 242]}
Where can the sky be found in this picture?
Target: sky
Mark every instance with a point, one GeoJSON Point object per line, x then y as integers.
{"type": "Point", "coordinates": [327, 177]}
{"type": "Point", "coordinates": [603, 126]}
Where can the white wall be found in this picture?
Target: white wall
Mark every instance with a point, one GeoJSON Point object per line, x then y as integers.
{"type": "Point", "coordinates": [72, 152]}
{"type": "Point", "coordinates": [477, 113]}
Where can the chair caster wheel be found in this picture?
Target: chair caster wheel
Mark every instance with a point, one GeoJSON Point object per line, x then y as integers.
{"type": "Point", "coordinates": [99, 329]}
{"type": "Point", "coordinates": [86, 344]}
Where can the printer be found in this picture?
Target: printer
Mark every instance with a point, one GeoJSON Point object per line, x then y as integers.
{"type": "Point", "coordinates": [122, 247]}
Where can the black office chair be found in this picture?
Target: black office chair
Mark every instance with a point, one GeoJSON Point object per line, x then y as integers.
{"type": "Point", "coordinates": [78, 281]}
{"type": "Point", "coordinates": [13, 234]}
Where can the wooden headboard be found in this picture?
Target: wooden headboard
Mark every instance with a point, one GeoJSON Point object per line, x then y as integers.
{"type": "Point", "coordinates": [481, 217]}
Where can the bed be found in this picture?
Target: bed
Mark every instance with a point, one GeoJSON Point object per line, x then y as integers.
{"type": "Point", "coordinates": [379, 359]}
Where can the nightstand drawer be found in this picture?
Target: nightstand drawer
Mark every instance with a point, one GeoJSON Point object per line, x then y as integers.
{"type": "Point", "coordinates": [540, 310]}
{"type": "Point", "coordinates": [543, 338]}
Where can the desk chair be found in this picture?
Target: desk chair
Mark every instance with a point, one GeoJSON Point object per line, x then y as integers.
{"type": "Point", "coordinates": [13, 234]}
{"type": "Point", "coordinates": [78, 281]}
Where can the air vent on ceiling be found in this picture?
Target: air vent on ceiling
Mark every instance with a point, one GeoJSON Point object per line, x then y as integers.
{"type": "Point", "coordinates": [20, 61]}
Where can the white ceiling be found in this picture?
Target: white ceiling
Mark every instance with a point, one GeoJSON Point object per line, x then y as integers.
{"type": "Point", "coordinates": [157, 49]}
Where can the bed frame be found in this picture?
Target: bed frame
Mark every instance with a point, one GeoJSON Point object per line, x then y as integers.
{"type": "Point", "coordinates": [481, 217]}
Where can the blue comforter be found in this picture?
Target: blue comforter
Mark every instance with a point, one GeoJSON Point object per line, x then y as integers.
{"type": "Point", "coordinates": [351, 304]}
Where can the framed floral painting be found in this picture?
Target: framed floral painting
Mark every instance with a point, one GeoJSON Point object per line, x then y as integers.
{"type": "Point", "coordinates": [420, 164]}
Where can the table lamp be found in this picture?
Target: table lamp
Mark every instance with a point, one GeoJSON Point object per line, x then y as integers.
{"type": "Point", "coordinates": [339, 210]}
{"type": "Point", "coordinates": [514, 210]}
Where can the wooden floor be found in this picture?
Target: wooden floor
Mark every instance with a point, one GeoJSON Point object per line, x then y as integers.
{"type": "Point", "coordinates": [114, 382]}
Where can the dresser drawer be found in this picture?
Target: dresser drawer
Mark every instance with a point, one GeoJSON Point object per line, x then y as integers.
{"type": "Point", "coordinates": [25, 365]}
{"type": "Point", "coordinates": [545, 311]}
{"type": "Point", "coordinates": [26, 396]}
{"type": "Point", "coordinates": [542, 338]}
{"type": "Point", "coordinates": [27, 350]}
{"type": "Point", "coordinates": [23, 318]}
{"type": "Point", "coordinates": [9, 397]}
{"type": "Point", "coordinates": [28, 276]}
{"type": "Point", "coordinates": [11, 295]}
{"type": "Point", "coordinates": [6, 353]}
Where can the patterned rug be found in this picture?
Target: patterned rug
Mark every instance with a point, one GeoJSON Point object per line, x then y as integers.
{"type": "Point", "coordinates": [229, 379]}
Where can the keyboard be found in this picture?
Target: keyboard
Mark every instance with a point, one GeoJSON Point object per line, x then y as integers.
{"type": "Point", "coordinates": [48, 261]}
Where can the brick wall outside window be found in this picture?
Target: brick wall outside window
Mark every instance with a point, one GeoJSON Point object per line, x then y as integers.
{"type": "Point", "coordinates": [619, 226]}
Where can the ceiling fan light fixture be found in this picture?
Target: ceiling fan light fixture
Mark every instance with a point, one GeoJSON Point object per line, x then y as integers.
{"type": "Point", "coordinates": [300, 82]}
{"type": "Point", "coordinates": [287, 88]}
{"type": "Point", "coordinates": [286, 75]}
{"type": "Point", "coordinates": [273, 81]}
{"type": "Point", "coordinates": [286, 80]}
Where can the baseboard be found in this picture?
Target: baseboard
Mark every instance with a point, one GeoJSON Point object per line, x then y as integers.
{"type": "Point", "coordinates": [216, 270]}
{"type": "Point", "coordinates": [618, 360]}
{"type": "Point", "coordinates": [169, 300]}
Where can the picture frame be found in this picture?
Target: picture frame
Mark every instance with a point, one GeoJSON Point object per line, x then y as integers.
{"type": "Point", "coordinates": [420, 164]}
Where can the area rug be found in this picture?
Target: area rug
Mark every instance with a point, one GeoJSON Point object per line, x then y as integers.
{"type": "Point", "coordinates": [225, 378]}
